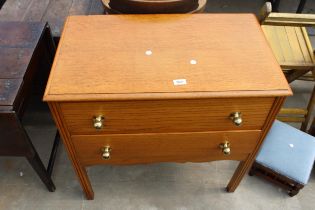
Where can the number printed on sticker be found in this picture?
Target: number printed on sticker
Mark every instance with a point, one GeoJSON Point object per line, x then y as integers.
{"type": "Point", "coordinates": [179, 82]}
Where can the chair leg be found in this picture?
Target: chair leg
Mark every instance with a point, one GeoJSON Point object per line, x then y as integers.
{"type": "Point", "coordinates": [275, 5]}
{"type": "Point", "coordinates": [295, 74]}
{"type": "Point", "coordinates": [40, 169]}
{"type": "Point", "coordinates": [311, 131]}
{"type": "Point", "coordinates": [310, 108]}
{"type": "Point", "coordinates": [301, 6]}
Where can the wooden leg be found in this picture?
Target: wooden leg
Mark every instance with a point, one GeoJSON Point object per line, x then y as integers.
{"type": "Point", "coordinates": [35, 161]}
{"type": "Point", "coordinates": [83, 178]}
{"type": "Point", "coordinates": [275, 5]}
{"type": "Point", "coordinates": [16, 142]}
{"type": "Point", "coordinates": [40, 169]}
{"type": "Point", "coordinates": [79, 169]}
{"type": "Point", "coordinates": [301, 6]}
{"type": "Point", "coordinates": [85, 183]}
{"type": "Point", "coordinates": [295, 190]}
{"type": "Point", "coordinates": [238, 175]}
{"type": "Point", "coordinates": [246, 164]}
{"type": "Point", "coordinates": [295, 74]}
{"type": "Point", "coordinates": [310, 108]}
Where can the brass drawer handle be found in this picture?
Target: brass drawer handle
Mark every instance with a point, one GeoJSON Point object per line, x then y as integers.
{"type": "Point", "coordinates": [106, 152]}
{"type": "Point", "coordinates": [236, 118]}
{"type": "Point", "coordinates": [98, 122]}
{"type": "Point", "coordinates": [226, 149]}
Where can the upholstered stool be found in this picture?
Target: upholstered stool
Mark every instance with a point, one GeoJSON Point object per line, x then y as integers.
{"type": "Point", "coordinates": [286, 157]}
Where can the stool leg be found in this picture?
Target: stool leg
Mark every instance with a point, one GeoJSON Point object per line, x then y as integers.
{"type": "Point", "coordinates": [40, 169]}
{"type": "Point", "coordinates": [295, 190]}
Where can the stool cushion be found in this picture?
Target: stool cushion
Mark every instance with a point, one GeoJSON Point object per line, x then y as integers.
{"type": "Point", "coordinates": [288, 151]}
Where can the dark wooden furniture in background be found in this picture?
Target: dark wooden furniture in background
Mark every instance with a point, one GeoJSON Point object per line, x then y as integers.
{"type": "Point", "coordinates": [153, 6]}
{"type": "Point", "coordinates": [276, 3]}
{"type": "Point", "coordinates": [169, 96]}
{"type": "Point", "coordinates": [51, 11]}
{"type": "Point", "coordinates": [26, 54]}
{"type": "Point", "coordinates": [1, 3]}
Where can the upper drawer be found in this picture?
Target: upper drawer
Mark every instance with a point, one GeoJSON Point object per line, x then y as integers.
{"type": "Point", "coordinates": [165, 116]}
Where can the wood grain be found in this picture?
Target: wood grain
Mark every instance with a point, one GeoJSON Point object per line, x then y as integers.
{"type": "Point", "coordinates": [9, 89]}
{"type": "Point", "coordinates": [290, 46]}
{"type": "Point", "coordinates": [53, 11]}
{"type": "Point", "coordinates": [153, 6]}
{"type": "Point", "coordinates": [14, 10]}
{"type": "Point", "coordinates": [201, 7]}
{"type": "Point", "coordinates": [105, 62]}
{"type": "Point", "coordinates": [19, 34]}
{"type": "Point", "coordinates": [14, 61]}
{"type": "Point", "coordinates": [166, 115]}
{"type": "Point", "coordinates": [36, 10]}
{"type": "Point", "coordinates": [56, 14]}
{"type": "Point", "coordinates": [170, 147]}
{"type": "Point", "coordinates": [290, 19]}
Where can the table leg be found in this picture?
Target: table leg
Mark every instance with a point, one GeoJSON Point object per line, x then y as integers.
{"type": "Point", "coordinates": [238, 175]}
{"type": "Point", "coordinates": [40, 169]}
{"type": "Point", "coordinates": [79, 169]}
{"type": "Point", "coordinates": [246, 164]}
{"type": "Point", "coordinates": [17, 143]}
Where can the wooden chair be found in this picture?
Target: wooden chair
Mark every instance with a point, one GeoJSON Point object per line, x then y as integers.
{"type": "Point", "coordinates": [275, 5]}
{"type": "Point", "coordinates": [298, 115]}
{"type": "Point", "coordinates": [153, 7]}
{"type": "Point", "coordinates": [288, 38]}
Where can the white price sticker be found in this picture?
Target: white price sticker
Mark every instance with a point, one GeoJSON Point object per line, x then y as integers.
{"type": "Point", "coordinates": [179, 82]}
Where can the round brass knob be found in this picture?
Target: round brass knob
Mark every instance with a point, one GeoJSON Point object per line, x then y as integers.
{"type": "Point", "coordinates": [98, 122]}
{"type": "Point", "coordinates": [106, 152]}
{"type": "Point", "coordinates": [236, 118]}
{"type": "Point", "coordinates": [226, 149]}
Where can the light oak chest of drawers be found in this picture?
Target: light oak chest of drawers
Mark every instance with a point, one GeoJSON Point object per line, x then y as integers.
{"type": "Point", "coordinates": [129, 89]}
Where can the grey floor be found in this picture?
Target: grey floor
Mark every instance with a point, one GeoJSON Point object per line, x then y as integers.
{"type": "Point", "coordinates": [155, 186]}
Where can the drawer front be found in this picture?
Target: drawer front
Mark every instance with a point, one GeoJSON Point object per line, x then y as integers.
{"type": "Point", "coordinates": [165, 116]}
{"type": "Point", "coordinates": [175, 147]}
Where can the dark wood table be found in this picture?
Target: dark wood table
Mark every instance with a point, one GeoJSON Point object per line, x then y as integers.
{"type": "Point", "coordinates": [26, 54]}
{"type": "Point", "coordinates": [54, 12]}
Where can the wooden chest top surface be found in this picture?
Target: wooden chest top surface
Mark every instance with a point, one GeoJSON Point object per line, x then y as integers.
{"type": "Point", "coordinates": [116, 57]}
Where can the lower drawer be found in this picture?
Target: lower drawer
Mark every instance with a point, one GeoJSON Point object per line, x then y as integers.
{"type": "Point", "coordinates": [170, 147]}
